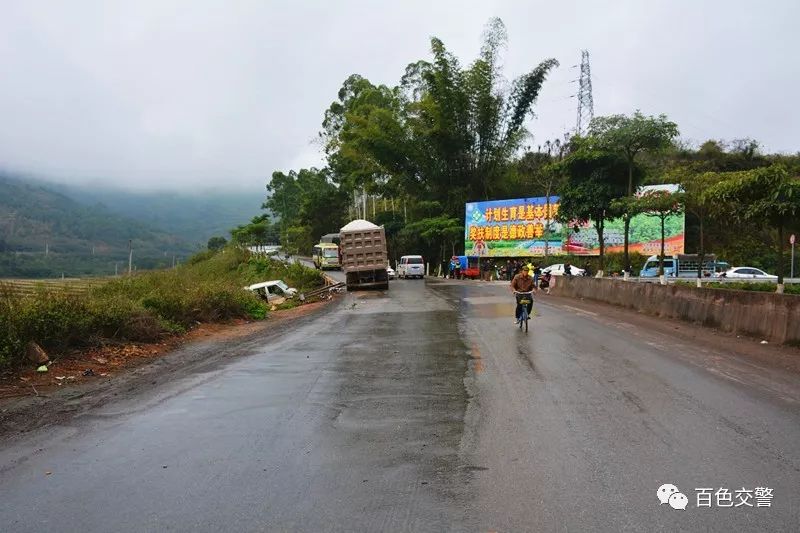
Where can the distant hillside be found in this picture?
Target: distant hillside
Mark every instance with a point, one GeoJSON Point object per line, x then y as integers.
{"type": "Point", "coordinates": [44, 233]}
{"type": "Point", "coordinates": [195, 217]}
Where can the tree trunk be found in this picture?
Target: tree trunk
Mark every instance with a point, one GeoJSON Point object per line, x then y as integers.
{"type": "Point", "coordinates": [661, 257]}
{"type": "Point", "coordinates": [630, 176]}
{"type": "Point", "coordinates": [598, 225]}
{"type": "Point", "coordinates": [626, 260]}
{"type": "Point", "coordinates": [780, 255]}
{"type": "Point", "coordinates": [702, 251]}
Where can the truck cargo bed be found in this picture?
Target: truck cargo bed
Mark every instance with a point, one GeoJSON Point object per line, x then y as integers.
{"type": "Point", "coordinates": [363, 250]}
{"type": "Point", "coordinates": [364, 258]}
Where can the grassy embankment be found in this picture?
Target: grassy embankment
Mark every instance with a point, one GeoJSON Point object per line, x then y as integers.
{"type": "Point", "coordinates": [144, 308]}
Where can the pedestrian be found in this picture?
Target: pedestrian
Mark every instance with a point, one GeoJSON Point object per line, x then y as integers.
{"type": "Point", "coordinates": [457, 267]}
{"type": "Point", "coordinates": [587, 269]}
{"type": "Point", "coordinates": [508, 271]}
{"type": "Point", "coordinates": [522, 282]}
{"type": "Point", "coordinates": [568, 270]}
{"type": "Point", "coordinates": [537, 272]}
{"type": "Point", "coordinates": [544, 282]}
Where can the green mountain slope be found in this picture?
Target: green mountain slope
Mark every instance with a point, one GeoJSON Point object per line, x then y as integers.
{"type": "Point", "coordinates": [44, 233]}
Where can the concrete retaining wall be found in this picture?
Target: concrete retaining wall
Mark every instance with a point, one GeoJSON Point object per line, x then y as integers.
{"type": "Point", "coordinates": [769, 316]}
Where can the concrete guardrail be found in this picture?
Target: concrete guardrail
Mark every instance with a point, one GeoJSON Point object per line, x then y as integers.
{"type": "Point", "coordinates": [764, 315]}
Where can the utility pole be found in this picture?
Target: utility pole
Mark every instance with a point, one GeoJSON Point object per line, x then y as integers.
{"type": "Point", "coordinates": [130, 257]}
{"type": "Point", "coordinates": [585, 101]}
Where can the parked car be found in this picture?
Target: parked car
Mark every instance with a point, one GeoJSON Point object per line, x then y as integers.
{"type": "Point", "coordinates": [275, 291]}
{"type": "Point", "coordinates": [391, 273]}
{"type": "Point", "coordinates": [558, 270]}
{"type": "Point", "coordinates": [411, 266]}
{"type": "Point", "coordinates": [746, 273]}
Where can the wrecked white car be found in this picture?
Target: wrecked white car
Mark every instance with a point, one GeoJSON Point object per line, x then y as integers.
{"type": "Point", "coordinates": [274, 292]}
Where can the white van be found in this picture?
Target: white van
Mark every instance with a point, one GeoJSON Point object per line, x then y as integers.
{"type": "Point", "coordinates": [411, 266]}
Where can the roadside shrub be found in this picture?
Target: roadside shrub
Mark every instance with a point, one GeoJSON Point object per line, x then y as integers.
{"type": "Point", "coordinates": [256, 309]}
{"type": "Point", "coordinates": [54, 319]}
{"type": "Point", "coordinates": [753, 286]}
{"type": "Point", "coordinates": [145, 307]}
{"type": "Point", "coordinates": [296, 275]}
{"type": "Point", "coordinates": [199, 257]}
{"type": "Point", "coordinates": [304, 278]}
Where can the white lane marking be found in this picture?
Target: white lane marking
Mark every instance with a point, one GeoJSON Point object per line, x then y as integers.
{"type": "Point", "coordinates": [581, 311]}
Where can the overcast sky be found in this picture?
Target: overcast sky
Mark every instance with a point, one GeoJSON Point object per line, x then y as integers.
{"type": "Point", "coordinates": [199, 94]}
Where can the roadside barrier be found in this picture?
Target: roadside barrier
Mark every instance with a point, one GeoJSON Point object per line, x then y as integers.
{"type": "Point", "coordinates": [764, 315]}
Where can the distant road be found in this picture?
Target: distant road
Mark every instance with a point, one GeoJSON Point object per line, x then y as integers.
{"type": "Point", "coordinates": [338, 275]}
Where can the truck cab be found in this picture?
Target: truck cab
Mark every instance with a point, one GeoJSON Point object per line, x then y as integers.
{"type": "Point", "coordinates": [682, 266]}
{"type": "Point", "coordinates": [650, 268]}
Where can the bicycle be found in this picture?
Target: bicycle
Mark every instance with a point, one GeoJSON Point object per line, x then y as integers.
{"type": "Point", "coordinates": [524, 299]}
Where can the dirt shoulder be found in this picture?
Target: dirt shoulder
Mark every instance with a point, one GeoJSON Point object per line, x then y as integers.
{"type": "Point", "coordinates": [83, 380]}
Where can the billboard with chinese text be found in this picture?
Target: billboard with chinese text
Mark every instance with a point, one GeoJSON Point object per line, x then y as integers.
{"type": "Point", "coordinates": [519, 227]}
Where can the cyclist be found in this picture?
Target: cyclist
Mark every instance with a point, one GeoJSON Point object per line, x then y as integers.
{"type": "Point", "coordinates": [522, 282]}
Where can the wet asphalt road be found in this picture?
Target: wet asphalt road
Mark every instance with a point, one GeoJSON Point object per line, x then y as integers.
{"type": "Point", "coordinates": [424, 409]}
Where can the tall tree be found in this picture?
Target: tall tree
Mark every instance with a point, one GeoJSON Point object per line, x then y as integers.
{"type": "Point", "coordinates": [595, 178]}
{"type": "Point", "coordinates": [542, 174]}
{"type": "Point", "coordinates": [446, 133]}
{"type": "Point", "coordinates": [217, 243]}
{"type": "Point", "coordinates": [283, 197]}
{"type": "Point", "coordinates": [308, 199]}
{"type": "Point", "coordinates": [661, 204]}
{"type": "Point", "coordinates": [698, 202]}
{"type": "Point", "coordinates": [629, 136]}
{"type": "Point", "coordinates": [257, 233]}
{"type": "Point", "coordinates": [764, 196]}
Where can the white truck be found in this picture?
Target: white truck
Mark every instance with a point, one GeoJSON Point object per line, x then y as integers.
{"type": "Point", "coordinates": [682, 266]}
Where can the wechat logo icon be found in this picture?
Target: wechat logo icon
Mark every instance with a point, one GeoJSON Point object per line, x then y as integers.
{"type": "Point", "coordinates": [671, 495]}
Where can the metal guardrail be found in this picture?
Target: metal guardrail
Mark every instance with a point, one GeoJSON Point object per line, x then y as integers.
{"type": "Point", "coordinates": [328, 290]}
